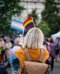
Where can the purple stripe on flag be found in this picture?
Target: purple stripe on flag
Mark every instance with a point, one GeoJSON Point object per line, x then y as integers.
{"type": "Point", "coordinates": [30, 26]}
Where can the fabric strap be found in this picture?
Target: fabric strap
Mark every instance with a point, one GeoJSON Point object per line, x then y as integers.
{"type": "Point", "coordinates": [41, 55]}
{"type": "Point", "coordinates": [30, 58]}
{"type": "Point", "coordinates": [27, 54]}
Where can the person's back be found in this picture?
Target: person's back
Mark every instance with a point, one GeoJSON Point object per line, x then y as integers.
{"type": "Point", "coordinates": [33, 42]}
{"type": "Point", "coordinates": [20, 54]}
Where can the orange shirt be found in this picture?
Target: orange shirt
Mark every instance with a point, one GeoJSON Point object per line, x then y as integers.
{"type": "Point", "coordinates": [33, 53]}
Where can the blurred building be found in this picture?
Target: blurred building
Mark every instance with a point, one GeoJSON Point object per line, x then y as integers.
{"type": "Point", "coordinates": [58, 1]}
{"type": "Point", "coordinates": [29, 5]}
{"type": "Point", "coordinates": [58, 4]}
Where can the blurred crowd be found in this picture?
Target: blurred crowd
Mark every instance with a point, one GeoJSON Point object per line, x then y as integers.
{"type": "Point", "coordinates": [6, 43]}
{"type": "Point", "coordinates": [9, 44]}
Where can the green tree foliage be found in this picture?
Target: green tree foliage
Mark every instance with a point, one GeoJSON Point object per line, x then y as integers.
{"type": "Point", "coordinates": [44, 27]}
{"type": "Point", "coordinates": [34, 15]}
{"type": "Point", "coordinates": [50, 15]}
{"type": "Point", "coordinates": [8, 8]}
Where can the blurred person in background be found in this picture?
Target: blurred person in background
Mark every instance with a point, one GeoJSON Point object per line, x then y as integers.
{"type": "Point", "coordinates": [13, 60]}
{"type": "Point", "coordinates": [57, 48]}
{"type": "Point", "coordinates": [51, 46]}
{"type": "Point", "coordinates": [8, 47]}
{"type": "Point", "coordinates": [2, 46]}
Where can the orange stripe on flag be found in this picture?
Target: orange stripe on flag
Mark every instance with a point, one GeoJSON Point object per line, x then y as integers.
{"type": "Point", "coordinates": [27, 21]}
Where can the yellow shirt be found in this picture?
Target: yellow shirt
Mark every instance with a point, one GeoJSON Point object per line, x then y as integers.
{"type": "Point", "coordinates": [0, 44]}
{"type": "Point", "coordinates": [33, 53]}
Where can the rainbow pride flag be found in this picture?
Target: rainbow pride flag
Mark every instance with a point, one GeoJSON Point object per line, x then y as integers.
{"type": "Point", "coordinates": [28, 23]}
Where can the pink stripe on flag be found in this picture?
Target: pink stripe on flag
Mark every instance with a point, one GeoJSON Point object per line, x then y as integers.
{"type": "Point", "coordinates": [14, 24]}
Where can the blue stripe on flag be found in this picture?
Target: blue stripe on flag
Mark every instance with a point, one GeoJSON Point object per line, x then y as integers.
{"type": "Point", "coordinates": [17, 21]}
{"type": "Point", "coordinates": [17, 29]}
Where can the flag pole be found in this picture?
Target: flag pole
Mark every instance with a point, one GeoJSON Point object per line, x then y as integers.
{"type": "Point", "coordinates": [33, 21]}
{"type": "Point", "coordinates": [23, 31]}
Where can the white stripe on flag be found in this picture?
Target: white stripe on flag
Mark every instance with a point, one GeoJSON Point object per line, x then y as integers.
{"type": "Point", "coordinates": [16, 24]}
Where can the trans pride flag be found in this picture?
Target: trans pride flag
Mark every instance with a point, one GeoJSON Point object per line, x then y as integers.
{"type": "Point", "coordinates": [28, 23]}
{"type": "Point", "coordinates": [17, 25]}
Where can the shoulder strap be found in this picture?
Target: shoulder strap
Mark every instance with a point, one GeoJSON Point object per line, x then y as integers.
{"type": "Point", "coordinates": [41, 55]}
{"type": "Point", "coordinates": [27, 54]}
{"type": "Point", "coordinates": [29, 57]}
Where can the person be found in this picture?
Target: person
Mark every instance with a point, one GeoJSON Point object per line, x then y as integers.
{"type": "Point", "coordinates": [33, 42]}
{"type": "Point", "coordinates": [57, 48]}
{"type": "Point", "coordinates": [13, 60]}
{"type": "Point", "coordinates": [51, 49]}
{"type": "Point", "coordinates": [8, 46]}
{"type": "Point", "coordinates": [2, 45]}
